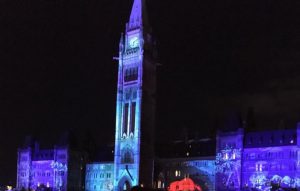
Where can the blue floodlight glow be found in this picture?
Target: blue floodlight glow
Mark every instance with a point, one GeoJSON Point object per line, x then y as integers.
{"type": "Point", "coordinates": [129, 101]}
{"type": "Point", "coordinates": [99, 177]}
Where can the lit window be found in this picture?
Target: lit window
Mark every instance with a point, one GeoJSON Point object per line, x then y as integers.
{"type": "Point", "coordinates": [233, 156]}
{"type": "Point", "coordinates": [159, 184]}
{"type": "Point", "coordinates": [226, 156]}
{"type": "Point", "coordinates": [260, 167]}
{"type": "Point", "coordinates": [177, 173]}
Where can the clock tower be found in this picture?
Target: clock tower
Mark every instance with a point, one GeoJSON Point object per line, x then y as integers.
{"type": "Point", "coordinates": [135, 112]}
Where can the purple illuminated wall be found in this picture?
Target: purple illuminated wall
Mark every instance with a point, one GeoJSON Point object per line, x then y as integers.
{"type": "Point", "coordinates": [228, 160]}
{"type": "Point", "coordinates": [24, 168]}
{"type": "Point", "coordinates": [271, 160]}
{"type": "Point", "coordinates": [267, 166]}
{"type": "Point", "coordinates": [37, 168]}
{"type": "Point", "coordinates": [267, 160]}
{"type": "Point", "coordinates": [60, 166]}
{"type": "Point", "coordinates": [42, 174]}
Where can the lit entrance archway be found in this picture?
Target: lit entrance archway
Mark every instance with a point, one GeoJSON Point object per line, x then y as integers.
{"type": "Point", "coordinates": [126, 186]}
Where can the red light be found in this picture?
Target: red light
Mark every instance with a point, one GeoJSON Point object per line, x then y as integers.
{"type": "Point", "coordinates": [185, 184]}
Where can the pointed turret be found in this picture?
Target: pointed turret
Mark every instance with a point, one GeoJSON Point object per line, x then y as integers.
{"type": "Point", "coordinates": [138, 16]}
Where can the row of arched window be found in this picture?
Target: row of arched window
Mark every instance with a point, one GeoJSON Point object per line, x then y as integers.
{"type": "Point", "coordinates": [131, 74]}
{"type": "Point", "coordinates": [128, 119]}
{"type": "Point", "coordinates": [127, 157]}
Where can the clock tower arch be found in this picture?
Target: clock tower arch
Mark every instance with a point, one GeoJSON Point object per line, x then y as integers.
{"type": "Point", "coordinates": [135, 110]}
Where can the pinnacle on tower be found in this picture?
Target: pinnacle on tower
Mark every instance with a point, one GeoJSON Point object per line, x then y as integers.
{"type": "Point", "coordinates": [138, 16]}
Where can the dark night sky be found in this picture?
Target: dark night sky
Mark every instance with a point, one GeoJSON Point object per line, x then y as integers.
{"type": "Point", "coordinates": [216, 56]}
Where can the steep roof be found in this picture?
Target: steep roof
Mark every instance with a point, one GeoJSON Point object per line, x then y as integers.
{"type": "Point", "coordinates": [138, 17]}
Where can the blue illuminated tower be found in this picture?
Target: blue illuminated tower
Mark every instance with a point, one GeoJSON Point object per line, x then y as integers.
{"type": "Point", "coordinates": [135, 111]}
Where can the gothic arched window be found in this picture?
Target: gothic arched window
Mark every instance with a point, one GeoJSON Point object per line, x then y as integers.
{"type": "Point", "coordinates": [132, 118]}
{"type": "Point", "coordinates": [131, 74]}
{"type": "Point", "coordinates": [125, 119]}
{"type": "Point", "coordinates": [126, 186]}
{"type": "Point", "coordinates": [127, 156]}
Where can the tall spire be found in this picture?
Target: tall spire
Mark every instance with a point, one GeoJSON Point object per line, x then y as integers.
{"type": "Point", "coordinates": [138, 16]}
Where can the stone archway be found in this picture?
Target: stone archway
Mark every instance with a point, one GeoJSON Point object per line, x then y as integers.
{"type": "Point", "coordinates": [124, 184]}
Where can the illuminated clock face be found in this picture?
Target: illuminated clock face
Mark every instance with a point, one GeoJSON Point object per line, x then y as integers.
{"type": "Point", "coordinates": [133, 42]}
